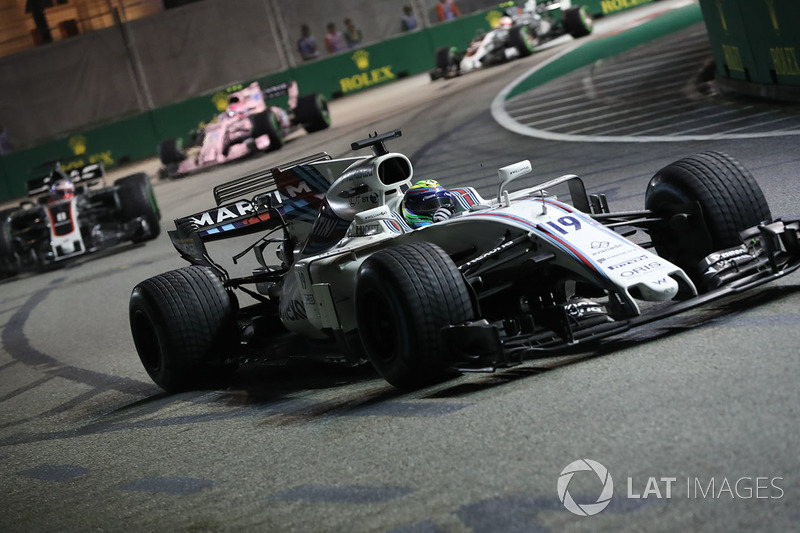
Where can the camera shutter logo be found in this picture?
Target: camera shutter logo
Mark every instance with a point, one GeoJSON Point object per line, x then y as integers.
{"type": "Point", "coordinates": [586, 509]}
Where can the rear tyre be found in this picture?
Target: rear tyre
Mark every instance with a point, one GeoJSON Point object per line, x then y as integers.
{"type": "Point", "coordinates": [404, 297]}
{"type": "Point", "coordinates": [183, 326]}
{"type": "Point", "coordinates": [312, 112]}
{"type": "Point", "coordinates": [138, 199]}
{"type": "Point", "coordinates": [521, 38]}
{"type": "Point", "coordinates": [578, 21]}
{"type": "Point", "coordinates": [170, 151]}
{"type": "Point", "coordinates": [728, 198]}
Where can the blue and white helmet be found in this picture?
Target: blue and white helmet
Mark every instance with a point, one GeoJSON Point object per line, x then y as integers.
{"type": "Point", "coordinates": [423, 199]}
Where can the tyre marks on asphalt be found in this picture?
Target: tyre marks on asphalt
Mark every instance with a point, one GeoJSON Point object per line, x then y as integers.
{"type": "Point", "coordinates": [359, 494]}
{"type": "Point", "coordinates": [181, 486]}
{"type": "Point", "coordinates": [525, 514]}
{"type": "Point", "coordinates": [55, 473]}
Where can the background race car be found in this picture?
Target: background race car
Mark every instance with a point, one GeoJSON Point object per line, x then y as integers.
{"type": "Point", "coordinates": [247, 126]}
{"type": "Point", "coordinates": [67, 217]}
{"type": "Point", "coordinates": [517, 34]}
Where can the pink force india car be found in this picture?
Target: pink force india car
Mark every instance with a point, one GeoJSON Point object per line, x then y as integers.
{"type": "Point", "coordinates": [246, 127]}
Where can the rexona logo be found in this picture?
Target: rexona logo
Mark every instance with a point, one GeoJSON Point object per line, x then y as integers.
{"type": "Point", "coordinates": [79, 147]}
{"type": "Point", "coordinates": [77, 144]}
{"type": "Point", "coordinates": [493, 17]}
{"type": "Point", "coordinates": [366, 78]}
{"type": "Point", "coordinates": [589, 466]}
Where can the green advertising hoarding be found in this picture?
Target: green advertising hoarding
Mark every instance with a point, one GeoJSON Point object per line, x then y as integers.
{"type": "Point", "coordinates": [755, 41]}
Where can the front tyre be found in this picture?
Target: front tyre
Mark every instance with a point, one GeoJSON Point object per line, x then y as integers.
{"type": "Point", "coordinates": [404, 297]}
{"type": "Point", "coordinates": [9, 262]}
{"type": "Point", "coordinates": [728, 198]}
{"type": "Point", "coordinates": [266, 123]}
{"type": "Point", "coordinates": [183, 326]}
{"type": "Point", "coordinates": [138, 200]}
{"type": "Point", "coordinates": [446, 64]}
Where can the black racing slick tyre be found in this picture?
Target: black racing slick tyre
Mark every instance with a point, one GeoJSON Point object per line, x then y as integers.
{"type": "Point", "coordinates": [183, 326]}
{"type": "Point", "coordinates": [9, 263]}
{"type": "Point", "coordinates": [170, 151]}
{"type": "Point", "coordinates": [266, 123]}
{"type": "Point", "coordinates": [404, 297]}
{"type": "Point", "coordinates": [578, 21]}
{"type": "Point", "coordinates": [445, 63]}
{"type": "Point", "coordinates": [523, 39]}
{"type": "Point", "coordinates": [312, 112]}
{"type": "Point", "coordinates": [711, 186]}
{"type": "Point", "coordinates": [138, 199]}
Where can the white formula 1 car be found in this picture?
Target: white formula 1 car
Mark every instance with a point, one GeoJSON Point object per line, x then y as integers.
{"type": "Point", "coordinates": [503, 279]}
{"type": "Point", "coordinates": [518, 34]}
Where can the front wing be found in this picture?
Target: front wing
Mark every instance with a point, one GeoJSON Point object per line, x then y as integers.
{"type": "Point", "coordinates": [774, 252]}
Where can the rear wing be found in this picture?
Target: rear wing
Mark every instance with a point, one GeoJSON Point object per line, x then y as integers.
{"type": "Point", "coordinates": [245, 205]}
{"type": "Point", "coordinates": [84, 174]}
{"type": "Point", "coordinates": [287, 88]}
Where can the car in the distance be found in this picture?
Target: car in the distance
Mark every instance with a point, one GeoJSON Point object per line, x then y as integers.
{"type": "Point", "coordinates": [69, 214]}
{"type": "Point", "coordinates": [247, 126]}
{"type": "Point", "coordinates": [518, 33]}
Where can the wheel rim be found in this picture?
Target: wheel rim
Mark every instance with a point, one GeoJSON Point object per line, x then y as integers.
{"type": "Point", "coordinates": [586, 18]}
{"type": "Point", "coordinates": [529, 39]}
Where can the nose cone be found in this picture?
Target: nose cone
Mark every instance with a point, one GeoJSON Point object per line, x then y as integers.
{"type": "Point", "coordinates": [659, 289]}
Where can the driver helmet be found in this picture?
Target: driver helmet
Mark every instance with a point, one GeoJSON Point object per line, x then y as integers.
{"type": "Point", "coordinates": [62, 189]}
{"type": "Point", "coordinates": [234, 104]}
{"type": "Point", "coordinates": [506, 22]}
{"type": "Point", "coordinates": [423, 199]}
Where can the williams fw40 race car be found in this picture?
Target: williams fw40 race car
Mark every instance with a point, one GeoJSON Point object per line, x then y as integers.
{"type": "Point", "coordinates": [503, 279]}
{"type": "Point", "coordinates": [518, 33]}
{"type": "Point", "coordinates": [247, 126]}
{"type": "Point", "coordinates": [66, 216]}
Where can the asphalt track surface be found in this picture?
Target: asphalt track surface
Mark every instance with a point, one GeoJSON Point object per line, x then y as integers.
{"type": "Point", "coordinates": [87, 442]}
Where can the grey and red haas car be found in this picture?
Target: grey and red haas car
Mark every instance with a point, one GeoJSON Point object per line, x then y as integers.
{"type": "Point", "coordinates": [67, 215]}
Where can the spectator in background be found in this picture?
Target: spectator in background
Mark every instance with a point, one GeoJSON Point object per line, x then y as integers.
{"type": "Point", "coordinates": [351, 34]}
{"type": "Point", "coordinates": [334, 40]}
{"type": "Point", "coordinates": [408, 22]}
{"type": "Point", "coordinates": [307, 45]}
{"type": "Point", "coordinates": [447, 10]}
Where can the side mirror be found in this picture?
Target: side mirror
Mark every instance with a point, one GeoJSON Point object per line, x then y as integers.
{"type": "Point", "coordinates": [373, 215]}
{"type": "Point", "coordinates": [509, 173]}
